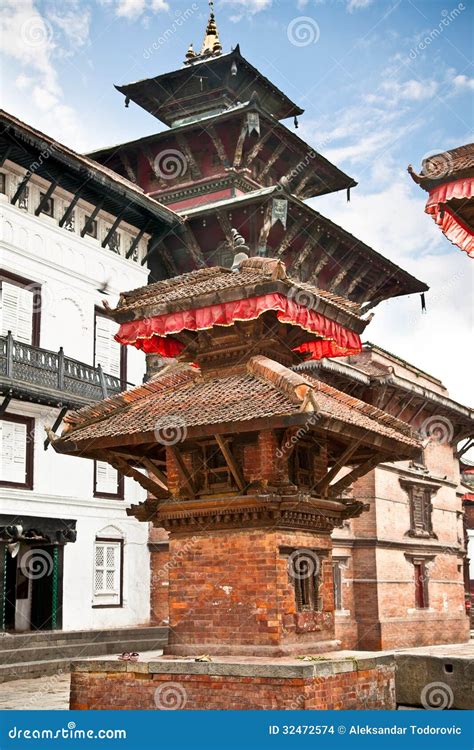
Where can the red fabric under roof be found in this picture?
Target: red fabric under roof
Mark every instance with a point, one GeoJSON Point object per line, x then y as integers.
{"type": "Point", "coordinates": [155, 335]}
{"type": "Point", "coordinates": [450, 224]}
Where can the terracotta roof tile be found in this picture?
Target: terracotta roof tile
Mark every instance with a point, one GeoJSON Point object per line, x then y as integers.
{"type": "Point", "coordinates": [266, 390]}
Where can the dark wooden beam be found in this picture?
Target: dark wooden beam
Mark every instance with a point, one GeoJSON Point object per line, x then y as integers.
{"type": "Point", "coordinates": [323, 484]}
{"type": "Point", "coordinates": [55, 426]}
{"type": "Point", "coordinates": [231, 462]}
{"type": "Point", "coordinates": [193, 246]}
{"type": "Point", "coordinates": [131, 174]}
{"type": "Point", "coordinates": [218, 145]}
{"type": "Point", "coordinates": [124, 467]}
{"type": "Point", "coordinates": [290, 235]}
{"type": "Point", "coordinates": [240, 145]}
{"type": "Point", "coordinates": [157, 473]}
{"type": "Point", "coordinates": [137, 239]}
{"type": "Point", "coordinates": [21, 187]}
{"type": "Point", "coordinates": [69, 209]}
{"type": "Point", "coordinates": [112, 229]}
{"type": "Point", "coordinates": [44, 200]}
{"type": "Point", "coordinates": [154, 243]}
{"type": "Point", "coordinates": [266, 227]}
{"type": "Point", "coordinates": [335, 489]}
{"type": "Point", "coordinates": [271, 161]}
{"type": "Point", "coordinates": [92, 218]}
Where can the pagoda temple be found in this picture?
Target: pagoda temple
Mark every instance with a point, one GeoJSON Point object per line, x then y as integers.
{"type": "Point", "coordinates": [448, 178]}
{"type": "Point", "coordinates": [227, 160]}
{"type": "Point", "coordinates": [246, 461]}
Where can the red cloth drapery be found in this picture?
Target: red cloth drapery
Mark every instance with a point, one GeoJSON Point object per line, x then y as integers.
{"type": "Point", "coordinates": [155, 335]}
{"type": "Point", "coordinates": [450, 224]}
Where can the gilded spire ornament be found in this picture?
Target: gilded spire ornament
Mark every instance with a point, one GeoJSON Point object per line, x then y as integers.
{"type": "Point", "coordinates": [211, 44]}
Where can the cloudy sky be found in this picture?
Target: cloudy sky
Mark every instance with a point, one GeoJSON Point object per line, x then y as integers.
{"type": "Point", "coordinates": [383, 84]}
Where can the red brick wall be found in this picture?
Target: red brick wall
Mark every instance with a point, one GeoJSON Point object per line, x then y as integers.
{"type": "Point", "coordinates": [365, 689]}
{"type": "Point", "coordinates": [232, 587]}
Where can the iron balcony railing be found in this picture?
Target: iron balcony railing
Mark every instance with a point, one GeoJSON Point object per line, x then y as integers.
{"type": "Point", "coordinates": [29, 371]}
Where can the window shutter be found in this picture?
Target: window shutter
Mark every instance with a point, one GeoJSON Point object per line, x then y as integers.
{"type": "Point", "coordinates": [106, 478]}
{"type": "Point", "coordinates": [17, 312]}
{"type": "Point", "coordinates": [107, 350]}
{"type": "Point", "coordinates": [107, 572]}
{"type": "Point", "coordinates": [13, 452]}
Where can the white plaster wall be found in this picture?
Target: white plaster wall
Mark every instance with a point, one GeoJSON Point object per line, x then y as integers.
{"type": "Point", "coordinates": [70, 270]}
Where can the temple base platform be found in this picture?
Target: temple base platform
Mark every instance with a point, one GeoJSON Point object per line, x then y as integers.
{"type": "Point", "coordinates": [346, 680]}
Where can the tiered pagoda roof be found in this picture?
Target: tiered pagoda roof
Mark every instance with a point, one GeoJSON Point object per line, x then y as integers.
{"type": "Point", "coordinates": [448, 178]}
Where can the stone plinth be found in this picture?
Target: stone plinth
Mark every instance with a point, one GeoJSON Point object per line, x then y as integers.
{"type": "Point", "coordinates": [351, 681]}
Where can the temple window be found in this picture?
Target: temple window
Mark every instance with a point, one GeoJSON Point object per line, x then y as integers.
{"type": "Point", "coordinates": [421, 584]}
{"type": "Point", "coordinates": [16, 451]}
{"type": "Point", "coordinates": [420, 510]}
{"type": "Point", "coordinates": [108, 482]}
{"type": "Point", "coordinates": [108, 572]}
{"type": "Point", "coordinates": [3, 183]}
{"type": "Point", "coordinates": [20, 307]}
{"type": "Point", "coordinates": [213, 470]}
{"type": "Point", "coordinates": [304, 574]}
{"type": "Point", "coordinates": [302, 465]}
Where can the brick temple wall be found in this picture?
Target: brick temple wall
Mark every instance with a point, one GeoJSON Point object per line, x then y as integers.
{"type": "Point", "coordinates": [367, 688]}
{"type": "Point", "coordinates": [249, 600]}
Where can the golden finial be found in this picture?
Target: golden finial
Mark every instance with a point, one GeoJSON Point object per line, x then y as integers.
{"type": "Point", "coordinates": [190, 54]}
{"type": "Point", "coordinates": [211, 44]}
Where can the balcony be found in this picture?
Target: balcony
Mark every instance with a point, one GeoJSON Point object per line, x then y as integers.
{"type": "Point", "coordinates": [30, 373]}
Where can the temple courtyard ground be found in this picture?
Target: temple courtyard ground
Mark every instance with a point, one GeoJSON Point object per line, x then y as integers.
{"type": "Point", "coordinates": [52, 692]}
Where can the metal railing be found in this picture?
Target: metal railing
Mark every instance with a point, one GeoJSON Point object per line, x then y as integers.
{"type": "Point", "coordinates": [25, 365]}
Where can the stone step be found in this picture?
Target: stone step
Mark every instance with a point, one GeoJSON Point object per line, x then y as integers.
{"type": "Point", "coordinates": [58, 663]}
{"type": "Point", "coordinates": [17, 641]}
{"type": "Point", "coordinates": [81, 650]}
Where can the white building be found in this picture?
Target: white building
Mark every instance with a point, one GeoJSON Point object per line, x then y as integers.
{"type": "Point", "coordinates": [70, 557]}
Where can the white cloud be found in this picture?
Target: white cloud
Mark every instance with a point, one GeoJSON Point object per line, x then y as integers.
{"type": "Point", "coordinates": [246, 7]}
{"type": "Point", "coordinates": [462, 82]}
{"type": "Point", "coordinates": [32, 44]}
{"type": "Point", "coordinates": [412, 90]}
{"type": "Point", "coordinates": [133, 9]}
{"type": "Point", "coordinates": [353, 5]}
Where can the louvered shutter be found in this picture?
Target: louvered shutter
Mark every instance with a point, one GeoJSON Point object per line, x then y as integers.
{"type": "Point", "coordinates": [107, 350]}
{"type": "Point", "coordinates": [106, 478]}
{"type": "Point", "coordinates": [13, 452]}
{"type": "Point", "coordinates": [16, 312]}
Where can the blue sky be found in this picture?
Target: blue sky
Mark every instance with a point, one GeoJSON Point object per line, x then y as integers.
{"type": "Point", "coordinates": [383, 84]}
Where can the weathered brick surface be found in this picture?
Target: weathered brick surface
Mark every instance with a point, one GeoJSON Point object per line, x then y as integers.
{"type": "Point", "coordinates": [233, 588]}
{"type": "Point", "coordinates": [364, 689]}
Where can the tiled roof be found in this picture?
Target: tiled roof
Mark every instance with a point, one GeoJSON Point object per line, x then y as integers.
{"type": "Point", "coordinates": [445, 165]}
{"type": "Point", "coordinates": [265, 389]}
{"type": "Point", "coordinates": [177, 291]}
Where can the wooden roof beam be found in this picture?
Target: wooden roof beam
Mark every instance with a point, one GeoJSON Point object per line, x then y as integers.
{"type": "Point", "coordinates": [334, 490]}
{"type": "Point", "coordinates": [218, 145]}
{"type": "Point", "coordinates": [194, 168]}
{"type": "Point", "coordinates": [44, 200]}
{"type": "Point", "coordinates": [290, 235]}
{"type": "Point", "coordinates": [68, 212]}
{"type": "Point", "coordinates": [231, 462]}
{"type": "Point", "coordinates": [240, 145]}
{"type": "Point", "coordinates": [271, 161]}
{"type": "Point", "coordinates": [183, 470]}
{"type": "Point", "coordinates": [22, 185]}
{"type": "Point", "coordinates": [323, 484]}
